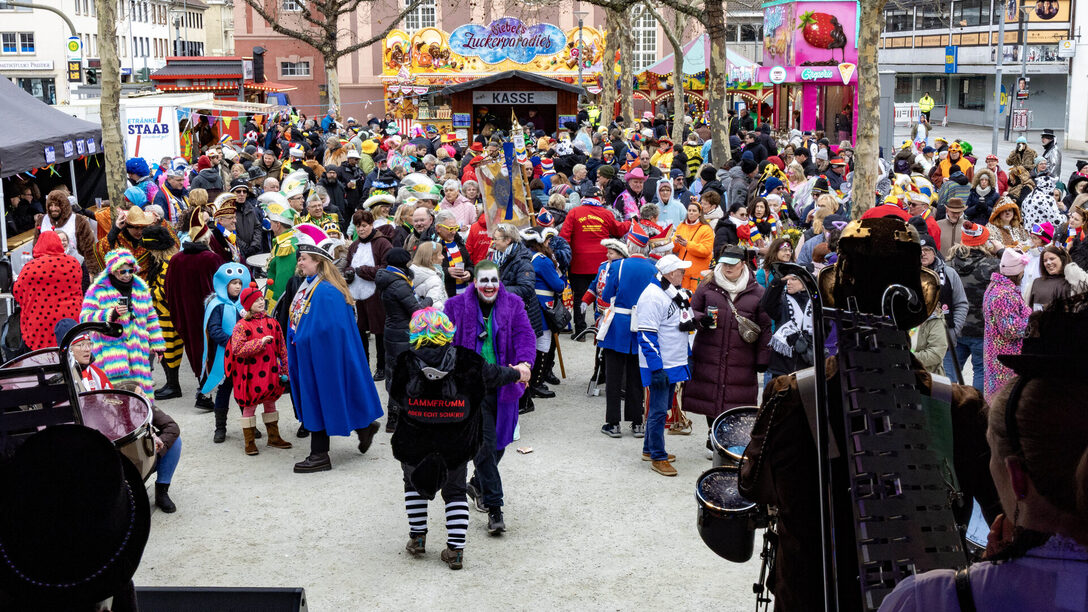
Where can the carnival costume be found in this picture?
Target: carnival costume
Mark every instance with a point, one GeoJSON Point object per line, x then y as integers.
{"type": "Point", "coordinates": [126, 357]}
{"type": "Point", "coordinates": [47, 289]}
{"type": "Point", "coordinates": [159, 243]}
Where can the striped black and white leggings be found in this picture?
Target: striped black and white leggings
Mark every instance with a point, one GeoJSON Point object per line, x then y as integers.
{"type": "Point", "coordinates": [453, 493]}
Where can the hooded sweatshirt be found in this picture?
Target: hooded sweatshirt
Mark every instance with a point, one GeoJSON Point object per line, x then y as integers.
{"type": "Point", "coordinates": [672, 211]}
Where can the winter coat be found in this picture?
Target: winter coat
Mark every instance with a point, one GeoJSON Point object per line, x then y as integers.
{"type": "Point", "coordinates": [478, 242]}
{"type": "Point", "coordinates": [1040, 206]}
{"type": "Point", "coordinates": [980, 206]}
{"type": "Point", "coordinates": [584, 228]}
{"type": "Point", "coordinates": [957, 186]}
{"type": "Point", "coordinates": [951, 234]}
{"type": "Point", "coordinates": [188, 282]}
{"type": "Point", "coordinates": [699, 251]}
{"type": "Point", "coordinates": [736, 188]}
{"type": "Point", "coordinates": [724, 366]}
{"type": "Point", "coordinates": [947, 167]}
{"type": "Point", "coordinates": [400, 302]}
{"type": "Point", "coordinates": [774, 304]}
{"type": "Point", "coordinates": [249, 229]}
{"type": "Point", "coordinates": [1025, 158]}
{"type": "Point", "coordinates": [549, 285]}
{"type": "Point", "coordinates": [463, 210]}
{"type": "Point", "coordinates": [518, 277]}
{"type": "Point", "coordinates": [1044, 290]}
{"type": "Point", "coordinates": [1053, 157]}
{"type": "Point", "coordinates": [974, 270]}
{"type": "Point", "coordinates": [429, 284]}
{"type": "Point", "coordinates": [48, 290]}
{"type": "Point", "coordinates": [127, 357]}
{"type": "Point", "coordinates": [514, 342]}
{"type": "Point", "coordinates": [209, 179]}
{"type": "Point", "coordinates": [931, 343]}
{"type": "Point", "coordinates": [1006, 317]}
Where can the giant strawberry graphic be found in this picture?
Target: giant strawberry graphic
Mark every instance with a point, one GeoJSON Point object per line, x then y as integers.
{"type": "Point", "coordinates": [823, 31]}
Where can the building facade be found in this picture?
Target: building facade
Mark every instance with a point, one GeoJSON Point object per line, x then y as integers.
{"type": "Point", "coordinates": [33, 42]}
{"type": "Point", "coordinates": [914, 43]}
{"type": "Point", "coordinates": [290, 61]}
{"type": "Point", "coordinates": [219, 28]}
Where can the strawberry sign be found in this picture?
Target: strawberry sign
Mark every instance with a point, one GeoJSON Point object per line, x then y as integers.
{"type": "Point", "coordinates": [811, 33]}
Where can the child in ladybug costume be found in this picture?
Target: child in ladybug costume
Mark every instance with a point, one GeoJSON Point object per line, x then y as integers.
{"type": "Point", "coordinates": [256, 362]}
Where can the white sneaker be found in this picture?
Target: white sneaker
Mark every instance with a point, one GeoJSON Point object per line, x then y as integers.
{"type": "Point", "coordinates": [709, 455]}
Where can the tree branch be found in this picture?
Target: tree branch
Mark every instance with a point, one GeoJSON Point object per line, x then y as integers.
{"type": "Point", "coordinates": [370, 41]}
{"type": "Point", "coordinates": [279, 28]}
{"type": "Point", "coordinates": [669, 33]}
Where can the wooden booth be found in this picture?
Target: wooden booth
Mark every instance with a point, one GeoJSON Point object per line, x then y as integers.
{"type": "Point", "coordinates": [545, 102]}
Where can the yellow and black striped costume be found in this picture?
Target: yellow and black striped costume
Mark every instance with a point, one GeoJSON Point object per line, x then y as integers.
{"type": "Point", "coordinates": [174, 345]}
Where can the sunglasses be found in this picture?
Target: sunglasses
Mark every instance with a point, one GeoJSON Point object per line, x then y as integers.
{"type": "Point", "coordinates": [126, 272]}
{"type": "Point", "coordinates": [451, 228]}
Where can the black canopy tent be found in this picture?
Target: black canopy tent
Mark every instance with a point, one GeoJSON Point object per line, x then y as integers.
{"type": "Point", "coordinates": [31, 126]}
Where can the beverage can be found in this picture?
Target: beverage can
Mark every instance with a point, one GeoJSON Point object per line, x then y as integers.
{"type": "Point", "coordinates": [713, 312]}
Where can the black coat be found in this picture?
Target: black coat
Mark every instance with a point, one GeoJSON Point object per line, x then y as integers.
{"type": "Point", "coordinates": [466, 260]}
{"type": "Point", "coordinates": [517, 275]}
{"type": "Point", "coordinates": [979, 208]}
{"type": "Point", "coordinates": [725, 233]}
{"type": "Point", "coordinates": [400, 303]}
{"type": "Point", "coordinates": [975, 271]}
{"type": "Point", "coordinates": [251, 234]}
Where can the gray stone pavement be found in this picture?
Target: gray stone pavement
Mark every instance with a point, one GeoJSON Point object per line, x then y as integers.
{"type": "Point", "coordinates": [591, 527]}
{"type": "Point", "coordinates": [981, 138]}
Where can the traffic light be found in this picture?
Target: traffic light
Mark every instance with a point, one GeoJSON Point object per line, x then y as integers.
{"type": "Point", "coordinates": [92, 76]}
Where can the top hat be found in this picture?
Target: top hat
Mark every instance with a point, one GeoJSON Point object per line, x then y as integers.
{"type": "Point", "coordinates": [873, 255]}
{"type": "Point", "coordinates": [74, 520]}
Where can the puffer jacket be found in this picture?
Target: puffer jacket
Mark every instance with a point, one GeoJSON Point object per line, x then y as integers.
{"type": "Point", "coordinates": [400, 303]}
{"type": "Point", "coordinates": [980, 206]}
{"type": "Point", "coordinates": [736, 186]}
{"type": "Point", "coordinates": [956, 186]}
{"type": "Point", "coordinates": [975, 270]}
{"type": "Point", "coordinates": [208, 178]}
{"type": "Point", "coordinates": [252, 238]}
{"type": "Point", "coordinates": [428, 284]}
{"type": "Point", "coordinates": [518, 277]}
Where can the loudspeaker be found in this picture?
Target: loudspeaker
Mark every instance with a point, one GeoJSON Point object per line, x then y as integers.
{"type": "Point", "coordinates": [221, 599]}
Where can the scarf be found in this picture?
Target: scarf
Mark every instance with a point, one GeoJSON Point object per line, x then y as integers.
{"type": "Point", "coordinates": [1071, 236]}
{"type": "Point", "coordinates": [800, 321]}
{"type": "Point", "coordinates": [983, 191]}
{"type": "Point", "coordinates": [499, 257]}
{"type": "Point", "coordinates": [733, 288]}
{"type": "Point", "coordinates": [457, 260]}
{"type": "Point", "coordinates": [398, 272]}
{"type": "Point", "coordinates": [682, 298]}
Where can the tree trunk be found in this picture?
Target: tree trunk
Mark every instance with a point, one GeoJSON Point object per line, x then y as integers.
{"type": "Point", "coordinates": [866, 168]}
{"type": "Point", "coordinates": [332, 84]}
{"type": "Point", "coordinates": [677, 78]}
{"type": "Point", "coordinates": [110, 78]}
{"type": "Point", "coordinates": [716, 83]}
{"type": "Point", "coordinates": [627, 73]}
{"type": "Point", "coordinates": [608, 73]}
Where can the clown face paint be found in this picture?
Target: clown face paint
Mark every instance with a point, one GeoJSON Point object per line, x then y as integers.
{"type": "Point", "coordinates": [487, 285]}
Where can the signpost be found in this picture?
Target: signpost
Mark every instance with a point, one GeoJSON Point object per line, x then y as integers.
{"type": "Point", "coordinates": [951, 57]}
{"type": "Point", "coordinates": [74, 48]}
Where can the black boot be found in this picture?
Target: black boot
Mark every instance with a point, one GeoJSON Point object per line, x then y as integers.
{"type": "Point", "coordinates": [171, 389]}
{"type": "Point", "coordinates": [314, 463]}
{"type": "Point", "coordinates": [220, 428]}
{"type": "Point", "coordinates": [549, 366]}
{"type": "Point", "coordinates": [302, 431]}
{"type": "Point", "coordinates": [162, 498]}
{"type": "Point", "coordinates": [204, 402]}
{"type": "Point", "coordinates": [536, 382]}
{"type": "Point", "coordinates": [391, 420]}
{"type": "Point", "coordinates": [366, 436]}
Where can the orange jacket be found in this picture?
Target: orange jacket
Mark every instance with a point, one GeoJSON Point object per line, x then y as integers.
{"type": "Point", "coordinates": [699, 248]}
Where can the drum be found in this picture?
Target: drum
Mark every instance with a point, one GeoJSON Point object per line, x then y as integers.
{"type": "Point", "coordinates": [125, 418]}
{"type": "Point", "coordinates": [45, 356]}
{"type": "Point", "coordinates": [260, 260]}
{"type": "Point", "coordinates": [730, 433]}
{"type": "Point", "coordinates": [727, 521]}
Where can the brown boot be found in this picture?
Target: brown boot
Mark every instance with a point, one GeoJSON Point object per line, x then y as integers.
{"type": "Point", "coordinates": [272, 424]}
{"type": "Point", "coordinates": [249, 429]}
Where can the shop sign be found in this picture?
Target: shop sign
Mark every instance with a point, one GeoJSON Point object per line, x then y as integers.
{"type": "Point", "coordinates": [815, 74]}
{"type": "Point", "coordinates": [513, 97]}
{"type": "Point", "coordinates": [26, 65]}
{"type": "Point", "coordinates": [507, 39]}
{"type": "Point", "coordinates": [778, 75]}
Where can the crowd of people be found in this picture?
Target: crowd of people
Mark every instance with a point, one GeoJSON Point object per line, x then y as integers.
{"type": "Point", "coordinates": [273, 262]}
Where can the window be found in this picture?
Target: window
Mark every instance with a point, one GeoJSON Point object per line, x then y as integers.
{"type": "Point", "coordinates": [94, 45]}
{"type": "Point", "coordinates": [8, 42]}
{"type": "Point", "coordinates": [42, 89]}
{"type": "Point", "coordinates": [899, 20]}
{"type": "Point", "coordinates": [292, 6]}
{"type": "Point", "coordinates": [973, 93]}
{"type": "Point", "coordinates": [644, 32]}
{"type": "Point", "coordinates": [971, 13]}
{"type": "Point", "coordinates": [932, 16]}
{"type": "Point", "coordinates": [422, 17]}
{"type": "Point", "coordinates": [749, 32]}
{"type": "Point", "coordinates": [26, 42]}
{"type": "Point", "coordinates": [4, 6]}
{"type": "Point", "coordinates": [731, 32]}
{"type": "Point", "coordinates": [77, 7]}
{"type": "Point", "coordinates": [299, 69]}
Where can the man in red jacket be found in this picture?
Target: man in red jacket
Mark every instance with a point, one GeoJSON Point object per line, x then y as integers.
{"type": "Point", "coordinates": [584, 228]}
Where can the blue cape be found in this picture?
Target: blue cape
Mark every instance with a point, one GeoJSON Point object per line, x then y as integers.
{"type": "Point", "coordinates": [223, 276]}
{"type": "Point", "coordinates": [330, 377]}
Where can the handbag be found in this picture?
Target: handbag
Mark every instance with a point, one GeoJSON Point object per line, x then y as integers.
{"type": "Point", "coordinates": [749, 330]}
{"type": "Point", "coordinates": [558, 317]}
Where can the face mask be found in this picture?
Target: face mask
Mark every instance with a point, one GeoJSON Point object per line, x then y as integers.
{"type": "Point", "coordinates": [487, 285]}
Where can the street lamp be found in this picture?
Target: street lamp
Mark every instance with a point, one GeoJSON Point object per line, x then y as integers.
{"type": "Point", "coordinates": [581, 15]}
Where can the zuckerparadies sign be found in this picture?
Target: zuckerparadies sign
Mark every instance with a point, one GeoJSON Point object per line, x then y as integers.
{"type": "Point", "coordinates": [507, 39]}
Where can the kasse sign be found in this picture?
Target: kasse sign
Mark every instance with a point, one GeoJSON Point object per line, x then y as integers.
{"type": "Point", "coordinates": [513, 97]}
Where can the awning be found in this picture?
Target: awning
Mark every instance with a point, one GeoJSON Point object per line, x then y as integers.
{"type": "Point", "coordinates": [270, 86]}
{"type": "Point", "coordinates": [528, 76]}
{"type": "Point", "coordinates": [696, 58]}
{"type": "Point", "coordinates": [199, 69]}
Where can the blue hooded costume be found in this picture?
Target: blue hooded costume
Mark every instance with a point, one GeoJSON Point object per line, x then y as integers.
{"type": "Point", "coordinates": [227, 318]}
{"type": "Point", "coordinates": [331, 382]}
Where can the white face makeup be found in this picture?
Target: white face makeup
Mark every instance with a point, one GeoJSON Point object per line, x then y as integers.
{"type": "Point", "coordinates": [487, 285]}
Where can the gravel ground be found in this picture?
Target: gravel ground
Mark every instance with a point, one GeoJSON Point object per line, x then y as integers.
{"type": "Point", "coordinates": [590, 526]}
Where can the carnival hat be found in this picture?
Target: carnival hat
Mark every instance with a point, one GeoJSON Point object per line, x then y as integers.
{"type": "Point", "coordinates": [74, 519]}
{"type": "Point", "coordinates": [157, 238]}
{"type": "Point", "coordinates": [295, 184]}
{"type": "Point", "coordinates": [136, 217]}
{"type": "Point", "coordinates": [379, 198]}
{"type": "Point", "coordinates": [873, 255]}
{"type": "Point", "coordinates": [277, 209]}
{"type": "Point", "coordinates": [637, 235]}
{"type": "Point", "coordinates": [136, 196]}
{"type": "Point", "coordinates": [974, 234]}
{"type": "Point", "coordinates": [315, 241]}
{"type": "Point", "coordinates": [616, 245]}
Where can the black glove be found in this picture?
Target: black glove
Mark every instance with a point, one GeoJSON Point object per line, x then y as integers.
{"type": "Point", "coordinates": [349, 274]}
{"type": "Point", "coordinates": [706, 321]}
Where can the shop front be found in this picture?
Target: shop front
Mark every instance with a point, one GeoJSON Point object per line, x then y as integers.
{"type": "Point", "coordinates": [810, 56]}
{"type": "Point", "coordinates": [459, 79]}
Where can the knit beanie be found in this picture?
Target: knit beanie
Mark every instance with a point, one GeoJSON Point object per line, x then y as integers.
{"type": "Point", "coordinates": [250, 295]}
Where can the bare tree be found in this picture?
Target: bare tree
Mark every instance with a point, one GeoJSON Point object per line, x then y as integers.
{"type": "Point", "coordinates": [674, 31]}
{"type": "Point", "coordinates": [608, 74]}
{"type": "Point", "coordinates": [316, 23]}
{"type": "Point", "coordinates": [625, 34]}
{"type": "Point", "coordinates": [867, 168]}
{"type": "Point", "coordinates": [110, 103]}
